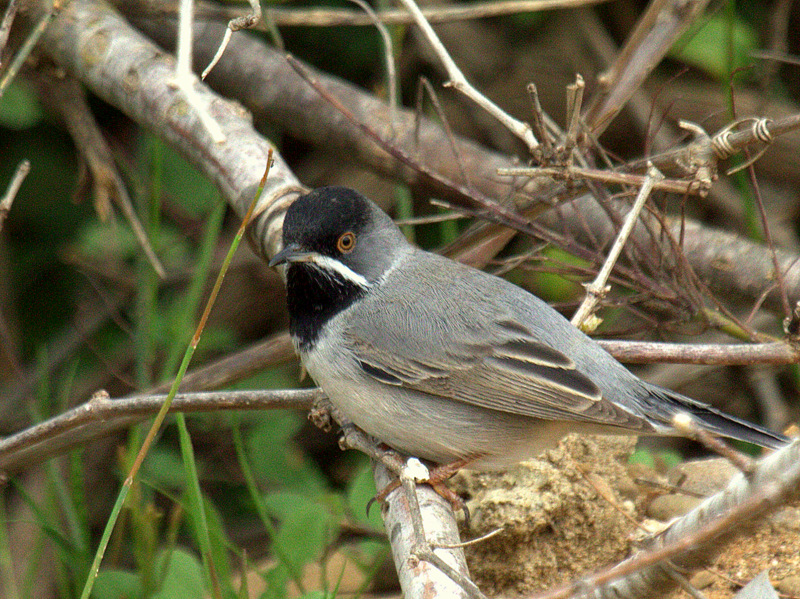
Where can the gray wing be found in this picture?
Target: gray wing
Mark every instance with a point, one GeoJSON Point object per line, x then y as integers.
{"type": "Point", "coordinates": [470, 348]}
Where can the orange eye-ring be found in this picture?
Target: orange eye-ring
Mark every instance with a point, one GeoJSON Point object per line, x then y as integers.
{"type": "Point", "coordinates": [346, 242]}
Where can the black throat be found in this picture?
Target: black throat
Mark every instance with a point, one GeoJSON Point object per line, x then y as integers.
{"type": "Point", "coordinates": [313, 298]}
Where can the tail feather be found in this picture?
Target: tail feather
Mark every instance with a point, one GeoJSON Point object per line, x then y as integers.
{"type": "Point", "coordinates": [718, 422]}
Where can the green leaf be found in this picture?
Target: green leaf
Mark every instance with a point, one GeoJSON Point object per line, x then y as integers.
{"type": "Point", "coordinates": [277, 580]}
{"type": "Point", "coordinates": [306, 527]}
{"type": "Point", "coordinates": [279, 460]}
{"type": "Point", "coordinates": [360, 492]}
{"type": "Point", "coordinates": [182, 575]}
{"type": "Point", "coordinates": [163, 468]}
{"type": "Point", "coordinates": [718, 47]}
{"type": "Point", "coordinates": [117, 584]}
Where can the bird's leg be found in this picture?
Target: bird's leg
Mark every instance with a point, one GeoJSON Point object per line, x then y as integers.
{"type": "Point", "coordinates": [353, 437]}
{"type": "Point", "coordinates": [441, 473]}
{"type": "Point", "coordinates": [435, 478]}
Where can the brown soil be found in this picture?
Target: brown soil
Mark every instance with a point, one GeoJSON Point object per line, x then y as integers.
{"type": "Point", "coordinates": [575, 511]}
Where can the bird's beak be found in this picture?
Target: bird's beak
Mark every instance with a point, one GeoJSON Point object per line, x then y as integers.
{"type": "Point", "coordinates": [291, 253]}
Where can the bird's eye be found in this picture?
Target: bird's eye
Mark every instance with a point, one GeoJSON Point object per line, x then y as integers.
{"type": "Point", "coordinates": [346, 242]}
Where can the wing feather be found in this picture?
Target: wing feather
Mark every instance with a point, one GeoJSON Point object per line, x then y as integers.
{"type": "Point", "coordinates": [473, 347]}
{"type": "Point", "coordinates": [519, 375]}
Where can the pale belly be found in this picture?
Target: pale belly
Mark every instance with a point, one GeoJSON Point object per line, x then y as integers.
{"type": "Point", "coordinates": [437, 429]}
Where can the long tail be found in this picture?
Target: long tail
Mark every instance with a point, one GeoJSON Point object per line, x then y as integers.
{"type": "Point", "coordinates": [718, 422]}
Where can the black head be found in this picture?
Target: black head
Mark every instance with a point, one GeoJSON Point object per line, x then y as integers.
{"type": "Point", "coordinates": [339, 224]}
{"type": "Point", "coordinates": [337, 245]}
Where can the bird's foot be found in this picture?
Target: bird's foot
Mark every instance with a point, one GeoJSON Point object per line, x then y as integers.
{"type": "Point", "coordinates": [434, 477]}
{"type": "Point", "coordinates": [323, 414]}
{"type": "Point", "coordinates": [353, 437]}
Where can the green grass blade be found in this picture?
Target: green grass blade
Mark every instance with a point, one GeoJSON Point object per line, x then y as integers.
{"type": "Point", "coordinates": [162, 413]}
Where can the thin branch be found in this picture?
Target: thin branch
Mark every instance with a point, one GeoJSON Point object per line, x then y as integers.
{"type": "Point", "coordinates": [388, 52]}
{"type": "Point", "coordinates": [425, 85]}
{"type": "Point", "coordinates": [597, 289]}
{"type": "Point", "coordinates": [655, 33]}
{"type": "Point", "coordinates": [236, 24]}
{"type": "Point", "coordinates": [460, 83]}
{"type": "Point", "coordinates": [25, 50]}
{"type": "Point", "coordinates": [101, 415]}
{"type": "Point", "coordinates": [66, 97]}
{"type": "Point", "coordinates": [185, 78]}
{"type": "Point", "coordinates": [781, 282]}
{"type": "Point", "coordinates": [5, 26]}
{"type": "Point", "coordinates": [330, 17]}
{"type": "Point", "coordinates": [22, 170]}
{"type": "Point", "coordinates": [570, 173]}
{"type": "Point", "coordinates": [745, 354]}
{"type": "Point", "coordinates": [574, 105]}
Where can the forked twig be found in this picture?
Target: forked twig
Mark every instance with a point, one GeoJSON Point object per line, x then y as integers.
{"type": "Point", "coordinates": [597, 289]}
{"type": "Point", "coordinates": [235, 24]}
{"type": "Point", "coordinates": [460, 83]}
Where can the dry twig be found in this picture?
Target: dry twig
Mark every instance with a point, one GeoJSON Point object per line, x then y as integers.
{"type": "Point", "coordinates": [22, 170]}
{"type": "Point", "coordinates": [460, 83]}
{"type": "Point", "coordinates": [331, 17]}
{"type": "Point", "coordinates": [598, 288]}
{"type": "Point", "coordinates": [695, 538]}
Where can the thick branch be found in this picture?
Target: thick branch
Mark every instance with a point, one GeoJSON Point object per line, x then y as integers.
{"type": "Point", "coordinates": [121, 66]}
{"type": "Point", "coordinates": [717, 521]}
{"type": "Point", "coordinates": [124, 68]}
{"type": "Point", "coordinates": [100, 416]}
{"type": "Point", "coordinates": [274, 91]}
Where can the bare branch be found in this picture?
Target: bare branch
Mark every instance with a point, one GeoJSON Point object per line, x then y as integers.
{"type": "Point", "coordinates": [460, 83]}
{"type": "Point", "coordinates": [597, 289]}
{"type": "Point", "coordinates": [235, 24]}
{"type": "Point", "coordinates": [650, 352]}
{"type": "Point", "coordinates": [67, 98]}
{"type": "Point", "coordinates": [655, 33]}
{"type": "Point", "coordinates": [22, 170]}
{"type": "Point", "coordinates": [25, 50]}
{"type": "Point", "coordinates": [329, 17]}
{"type": "Point", "coordinates": [5, 26]}
{"type": "Point", "coordinates": [693, 540]}
{"type": "Point", "coordinates": [101, 416]}
{"type": "Point", "coordinates": [101, 49]}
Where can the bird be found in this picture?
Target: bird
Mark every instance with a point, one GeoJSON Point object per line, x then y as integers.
{"type": "Point", "coordinates": [448, 363]}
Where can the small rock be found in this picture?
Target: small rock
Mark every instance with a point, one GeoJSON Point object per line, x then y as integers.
{"type": "Point", "coordinates": [702, 579]}
{"type": "Point", "coordinates": [705, 477]}
{"type": "Point", "coordinates": [667, 507]}
{"type": "Point", "coordinates": [789, 586]}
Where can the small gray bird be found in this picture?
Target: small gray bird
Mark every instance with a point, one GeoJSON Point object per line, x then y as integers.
{"type": "Point", "coordinates": [445, 362]}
